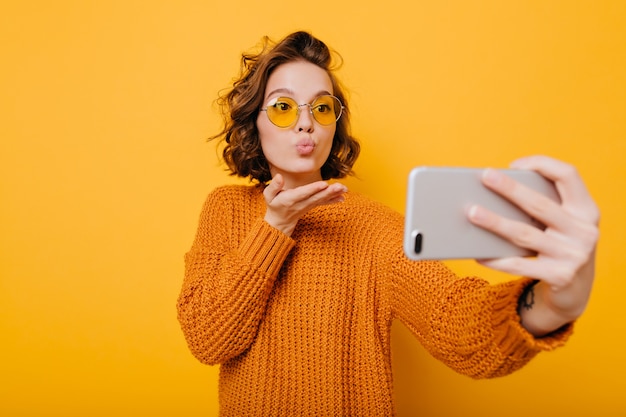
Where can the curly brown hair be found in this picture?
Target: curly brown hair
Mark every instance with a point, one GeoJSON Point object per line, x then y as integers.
{"type": "Point", "coordinates": [240, 107]}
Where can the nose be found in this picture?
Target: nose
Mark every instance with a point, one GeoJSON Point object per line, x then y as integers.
{"type": "Point", "coordinates": [305, 118]}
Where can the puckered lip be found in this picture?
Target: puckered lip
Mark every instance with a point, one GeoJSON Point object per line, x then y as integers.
{"type": "Point", "coordinates": [305, 146]}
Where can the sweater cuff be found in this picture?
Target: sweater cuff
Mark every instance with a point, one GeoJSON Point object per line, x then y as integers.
{"type": "Point", "coordinates": [515, 341]}
{"type": "Point", "coordinates": [266, 247]}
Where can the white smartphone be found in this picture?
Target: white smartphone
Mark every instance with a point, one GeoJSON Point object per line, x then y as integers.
{"type": "Point", "coordinates": [436, 224]}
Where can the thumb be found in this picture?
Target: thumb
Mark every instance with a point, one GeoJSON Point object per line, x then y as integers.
{"type": "Point", "coordinates": [274, 188]}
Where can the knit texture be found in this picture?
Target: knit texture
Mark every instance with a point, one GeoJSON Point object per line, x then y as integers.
{"type": "Point", "coordinates": [301, 324]}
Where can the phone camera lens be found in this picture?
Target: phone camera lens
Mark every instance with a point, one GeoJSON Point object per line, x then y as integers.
{"type": "Point", "coordinates": [418, 243]}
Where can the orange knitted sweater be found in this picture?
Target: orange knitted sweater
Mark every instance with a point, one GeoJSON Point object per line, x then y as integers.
{"type": "Point", "coordinates": [301, 324]}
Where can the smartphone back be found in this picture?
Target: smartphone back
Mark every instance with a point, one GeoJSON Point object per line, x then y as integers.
{"type": "Point", "coordinates": [436, 224]}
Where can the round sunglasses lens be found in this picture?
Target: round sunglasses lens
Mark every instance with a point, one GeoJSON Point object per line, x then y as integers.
{"type": "Point", "coordinates": [283, 112]}
{"type": "Point", "coordinates": [326, 109]}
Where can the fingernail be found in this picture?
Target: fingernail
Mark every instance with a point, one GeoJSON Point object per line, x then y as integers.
{"type": "Point", "coordinates": [491, 176]}
{"type": "Point", "coordinates": [521, 163]}
{"type": "Point", "coordinates": [474, 213]}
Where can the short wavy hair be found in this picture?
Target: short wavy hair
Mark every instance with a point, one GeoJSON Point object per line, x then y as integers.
{"type": "Point", "coordinates": [240, 107]}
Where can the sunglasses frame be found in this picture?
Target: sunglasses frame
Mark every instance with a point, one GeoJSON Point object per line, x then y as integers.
{"type": "Point", "coordinates": [310, 105]}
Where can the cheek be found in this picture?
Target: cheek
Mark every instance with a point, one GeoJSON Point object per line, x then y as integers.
{"type": "Point", "coordinates": [329, 138]}
{"type": "Point", "coordinates": [263, 131]}
{"type": "Point", "coordinates": [269, 139]}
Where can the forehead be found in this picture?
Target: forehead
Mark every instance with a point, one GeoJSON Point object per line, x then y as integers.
{"type": "Point", "coordinates": [300, 79]}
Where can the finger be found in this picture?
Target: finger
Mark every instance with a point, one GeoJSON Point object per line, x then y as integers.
{"type": "Point", "coordinates": [308, 191]}
{"type": "Point", "coordinates": [274, 188]}
{"type": "Point", "coordinates": [554, 272]}
{"type": "Point", "coordinates": [536, 205]}
{"type": "Point", "coordinates": [572, 190]}
{"type": "Point", "coordinates": [334, 194]}
{"type": "Point", "coordinates": [548, 243]}
{"type": "Point", "coordinates": [520, 234]}
{"type": "Point", "coordinates": [529, 267]}
{"type": "Point", "coordinates": [337, 188]}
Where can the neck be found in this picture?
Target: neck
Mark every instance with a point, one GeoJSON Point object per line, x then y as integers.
{"type": "Point", "coordinates": [298, 180]}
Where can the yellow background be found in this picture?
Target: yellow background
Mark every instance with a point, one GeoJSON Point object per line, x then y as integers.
{"type": "Point", "coordinates": [105, 107]}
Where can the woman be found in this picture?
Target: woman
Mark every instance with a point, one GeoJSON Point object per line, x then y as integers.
{"type": "Point", "coordinates": [291, 284]}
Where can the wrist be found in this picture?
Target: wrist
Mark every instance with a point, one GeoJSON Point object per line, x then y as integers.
{"type": "Point", "coordinates": [285, 228]}
{"type": "Point", "coordinates": [537, 313]}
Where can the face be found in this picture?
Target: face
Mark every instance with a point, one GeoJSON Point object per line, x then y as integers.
{"type": "Point", "coordinates": [299, 151]}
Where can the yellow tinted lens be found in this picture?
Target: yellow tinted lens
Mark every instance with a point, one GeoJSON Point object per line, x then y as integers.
{"type": "Point", "coordinates": [283, 112]}
{"type": "Point", "coordinates": [326, 109]}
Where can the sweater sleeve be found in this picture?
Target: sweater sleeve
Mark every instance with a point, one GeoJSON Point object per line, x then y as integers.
{"type": "Point", "coordinates": [469, 324]}
{"type": "Point", "coordinates": [227, 281]}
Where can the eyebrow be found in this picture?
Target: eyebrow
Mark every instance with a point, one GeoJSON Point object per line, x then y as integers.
{"type": "Point", "coordinates": [290, 92]}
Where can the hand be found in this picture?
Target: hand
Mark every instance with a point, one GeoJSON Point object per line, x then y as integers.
{"type": "Point", "coordinates": [565, 249]}
{"type": "Point", "coordinates": [286, 207]}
